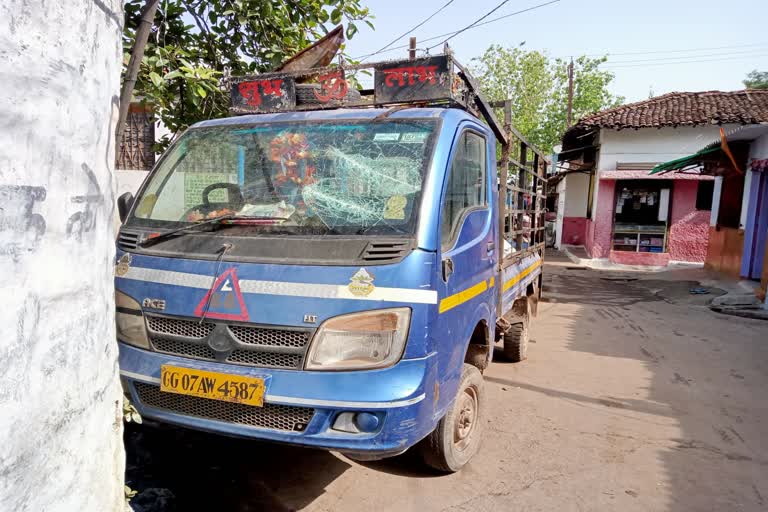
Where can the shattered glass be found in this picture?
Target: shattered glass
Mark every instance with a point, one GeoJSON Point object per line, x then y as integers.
{"type": "Point", "coordinates": [357, 187]}
{"type": "Point", "coordinates": [350, 177]}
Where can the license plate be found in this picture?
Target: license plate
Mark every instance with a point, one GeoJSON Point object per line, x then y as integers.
{"type": "Point", "coordinates": [213, 385]}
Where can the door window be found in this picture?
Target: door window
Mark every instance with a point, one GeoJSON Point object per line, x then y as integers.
{"type": "Point", "coordinates": [466, 188]}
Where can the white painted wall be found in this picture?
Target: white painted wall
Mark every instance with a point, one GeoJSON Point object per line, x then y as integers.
{"type": "Point", "coordinates": [745, 199]}
{"type": "Point", "coordinates": [128, 181]}
{"type": "Point", "coordinates": [716, 194]}
{"type": "Point", "coordinates": [561, 198]}
{"type": "Point", "coordinates": [577, 196]}
{"type": "Point", "coordinates": [758, 150]}
{"type": "Point", "coordinates": [60, 397]}
{"type": "Point", "coordinates": [655, 144]}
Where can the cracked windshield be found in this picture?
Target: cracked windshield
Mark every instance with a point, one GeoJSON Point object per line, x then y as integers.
{"type": "Point", "coordinates": [337, 178]}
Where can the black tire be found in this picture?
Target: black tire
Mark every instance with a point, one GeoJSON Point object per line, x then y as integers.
{"type": "Point", "coordinates": [516, 338]}
{"type": "Point", "coordinates": [305, 95]}
{"type": "Point", "coordinates": [458, 434]}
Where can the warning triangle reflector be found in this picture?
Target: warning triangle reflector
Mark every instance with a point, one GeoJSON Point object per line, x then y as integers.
{"type": "Point", "coordinates": [226, 299]}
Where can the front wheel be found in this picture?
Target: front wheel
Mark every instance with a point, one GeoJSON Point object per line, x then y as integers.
{"type": "Point", "coordinates": [457, 436]}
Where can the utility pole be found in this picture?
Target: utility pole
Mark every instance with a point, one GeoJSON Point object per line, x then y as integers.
{"type": "Point", "coordinates": [412, 49]}
{"type": "Point", "coordinates": [570, 93]}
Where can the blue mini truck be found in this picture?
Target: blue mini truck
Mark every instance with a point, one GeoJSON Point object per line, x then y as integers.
{"type": "Point", "coordinates": [331, 267]}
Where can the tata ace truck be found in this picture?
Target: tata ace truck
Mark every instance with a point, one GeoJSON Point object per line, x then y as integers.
{"type": "Point", "coordinates": [334, 268]}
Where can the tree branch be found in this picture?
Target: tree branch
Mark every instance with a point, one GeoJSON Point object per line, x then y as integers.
{"type": "Point", "coordinates": [137, 53]}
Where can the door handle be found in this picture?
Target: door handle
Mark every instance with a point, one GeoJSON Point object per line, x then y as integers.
{"type": "Point", "coordinates": [447, 269]}
{"type": "Point", "coordinates": [491, 246]}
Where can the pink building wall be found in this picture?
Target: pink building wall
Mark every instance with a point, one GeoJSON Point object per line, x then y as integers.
{"type": "Point", "coordinates": [574, 230]}
{"type": "Point", "coordinates": [598, 240]}
{"type": "Point", "coordinates": [689, 227]}
{"type": "Point", "coordinates": [688, 232]}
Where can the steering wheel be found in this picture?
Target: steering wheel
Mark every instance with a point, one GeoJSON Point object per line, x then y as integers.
{"type": "Point", "coordinates": [234, 194]}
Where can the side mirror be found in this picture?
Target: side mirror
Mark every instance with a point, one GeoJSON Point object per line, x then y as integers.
{"type": "Point", "coordinates": [124, 203]}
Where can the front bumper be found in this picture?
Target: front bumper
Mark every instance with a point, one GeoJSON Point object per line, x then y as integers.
{"type": "Point", "coordinates": [401, 396]}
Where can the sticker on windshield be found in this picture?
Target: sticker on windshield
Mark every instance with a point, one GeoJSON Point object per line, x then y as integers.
{"type": "Point", "coordinates": [394, 209]}
{"type": "Point", "coordinates": [386, 137]}
{"type": "Point", "coordinates": [414, 137]}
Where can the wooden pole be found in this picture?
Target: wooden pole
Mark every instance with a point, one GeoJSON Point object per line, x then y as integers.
{"type": "Point", "coordinates": [412, 49]}
{"type": "Point", "coordinates": [570, 93]}
{"type": "Point", "coordinates": [504, 217]}
{"type": "Point", "coordinates": [137, 53]}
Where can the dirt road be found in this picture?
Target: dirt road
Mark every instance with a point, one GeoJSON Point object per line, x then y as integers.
{"type": "Point", "coordinates": [635, 397]}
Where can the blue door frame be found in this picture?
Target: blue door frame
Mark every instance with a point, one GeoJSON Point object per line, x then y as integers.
{"type": "Point", "coordinates": [756, 230]}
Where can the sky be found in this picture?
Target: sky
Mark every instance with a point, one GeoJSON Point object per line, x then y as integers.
{"type": "Point", "coordinates": [653, 46]}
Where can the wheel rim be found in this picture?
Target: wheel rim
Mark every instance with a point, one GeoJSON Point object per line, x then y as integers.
{"type": "Point", "coordinates": [466, 418]}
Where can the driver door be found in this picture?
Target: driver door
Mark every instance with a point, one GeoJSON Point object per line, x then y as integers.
{"type": "Point", "coordinates": [467, 251]}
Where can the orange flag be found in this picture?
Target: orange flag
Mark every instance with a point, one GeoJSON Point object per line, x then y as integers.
{"type": "Point", "coordinates": [727, 151]}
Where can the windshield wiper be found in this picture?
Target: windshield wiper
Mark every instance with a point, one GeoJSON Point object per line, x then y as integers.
{"type": "Point", "coordinates": [169, 234]}
{"type": "Point", "coordinates": [216, 223]}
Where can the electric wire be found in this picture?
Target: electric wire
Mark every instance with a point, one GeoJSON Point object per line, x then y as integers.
{"type": "Point", "coordinates": [609, 53]}
{"type": "Point", "coordinates": [608, 65]}
{"type": "Point", "coordinates": [364, 57]}
{"type": "Point", "coordinates": [481, 18]}
{"type": "Point", "coordinates": [475, 26]}
{"type": "Point", "coordinates": [688, 57]}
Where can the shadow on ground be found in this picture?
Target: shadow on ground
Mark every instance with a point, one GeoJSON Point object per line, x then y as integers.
{"type": "Point", "coordinates": [183, 470]}
{"type": "Point", "coordinates": [175, 469]}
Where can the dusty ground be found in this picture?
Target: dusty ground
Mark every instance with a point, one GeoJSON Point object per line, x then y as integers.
{"type": "Point", "coordinates": [635, 397]}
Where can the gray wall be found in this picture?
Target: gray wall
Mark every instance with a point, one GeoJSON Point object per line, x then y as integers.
{"type": "Point", "coordinates": [60, 400]}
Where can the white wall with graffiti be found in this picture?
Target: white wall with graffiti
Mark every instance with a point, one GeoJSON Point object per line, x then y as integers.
{"type": "Point", "coordinates": [60, 398]}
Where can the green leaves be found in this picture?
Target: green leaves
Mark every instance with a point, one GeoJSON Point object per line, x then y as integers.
{"type": "Point", "coordinates": [193, 43]}
{"type": "Point", "coordinates": [156, 79]}
{"type": "Point", "coordinates": [538, 87]}
{"type": "Point", "coordinates": [130, 414]}
{"type": "Point", "coordinates": [756, 80]}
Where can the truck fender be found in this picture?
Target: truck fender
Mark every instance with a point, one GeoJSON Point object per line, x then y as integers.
{"type": "Point", "coordinates": [449, 379]}
{"type": "Point", "coordinates": [481, 313]}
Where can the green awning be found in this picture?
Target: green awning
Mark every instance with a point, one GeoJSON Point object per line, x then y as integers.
{"type": "Point", "coordinates": [685, 162]}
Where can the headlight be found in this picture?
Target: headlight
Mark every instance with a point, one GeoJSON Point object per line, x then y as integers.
{"type": "Point", "coordinates": [130, 321]}
{"type": "Point", "coordinates": [373, 339]}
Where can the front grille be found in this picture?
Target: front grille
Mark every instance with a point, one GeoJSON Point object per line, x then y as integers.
{"type": "Point", "coordinates": [183, 348]}
{"type": "Point", "coordinates": [271, 337]}
{"type": "Point", "coordinates": [178, 327]}
{"type": "Point", "coordinates": [272, 416]}
{"type": "Point", "coordinates": [265, 359]}
{"type": "Point", "coordinates": [265, 347]}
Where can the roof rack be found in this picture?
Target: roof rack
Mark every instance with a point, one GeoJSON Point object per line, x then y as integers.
{"type": "Point", "coordinates": [431, 81]}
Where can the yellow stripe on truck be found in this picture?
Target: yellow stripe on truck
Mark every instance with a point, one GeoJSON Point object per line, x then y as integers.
{"type": "Point", "coordinates": [457, 299]}
{"type": "Point", "coordinates": [512, 282]}
{"type": "Point", "coordinates": [470, 293]}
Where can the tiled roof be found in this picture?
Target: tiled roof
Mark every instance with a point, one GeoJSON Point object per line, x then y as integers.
{"type": "Point", "coordinates": [749, 106]}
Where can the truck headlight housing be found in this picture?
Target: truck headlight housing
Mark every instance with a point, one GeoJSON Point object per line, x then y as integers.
{"type": "Point", "coordinates": [129, 321]}
{"type": "Point", "coordinates": [358, 341]}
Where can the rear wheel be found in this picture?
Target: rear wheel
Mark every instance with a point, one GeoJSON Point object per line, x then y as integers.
{"type": "Point", "coordinates": [457, 436]}
{"type": "Point", "coordinates": [516, 338]}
